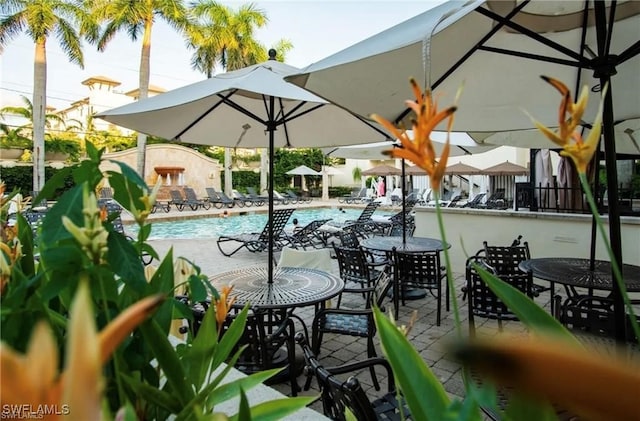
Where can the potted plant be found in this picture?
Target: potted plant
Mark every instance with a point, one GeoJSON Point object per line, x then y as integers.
{"type": "Point", "coordinates": [13, 142]}
{"type": "Point", "coordinates": [62, 148]}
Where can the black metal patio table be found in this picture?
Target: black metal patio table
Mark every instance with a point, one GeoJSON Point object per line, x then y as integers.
{"type": "Point", "coordinates": [575, 273]}
{"type": "Point", "coordinates": [412, 244]}
{"type": "Point", "coordinates": [290, 287]}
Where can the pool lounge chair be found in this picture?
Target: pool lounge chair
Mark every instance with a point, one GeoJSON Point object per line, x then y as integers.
{"type": "Point", "coordinates": [193, 201]}
{"type": "Point", "coordinates": [247, 200]}
{"type": "Point", "coordinates": [301, 199]}
{"type": "Point", "coordinates": [308, 236]}
{"type": "Point", "coordinates": [363, 226]}
{"type": "Point", "coordinates": [259, 241]}
{"type": "Point", "coordinates": [217, 200]}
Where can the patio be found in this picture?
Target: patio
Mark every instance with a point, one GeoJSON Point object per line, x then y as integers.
{"type": "Point", "coordinates": [430, 340]}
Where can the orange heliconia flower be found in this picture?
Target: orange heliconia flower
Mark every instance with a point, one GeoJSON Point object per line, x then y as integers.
{"type": "Point", "coordinates": [419, 150]}
{"type": "Point", "coordinates": [223, 305]}
{"type": "Point", "coordinates": [569, 117]}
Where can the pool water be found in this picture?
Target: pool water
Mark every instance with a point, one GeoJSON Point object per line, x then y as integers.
{"type": "Point", "coordinates": [236, 224]}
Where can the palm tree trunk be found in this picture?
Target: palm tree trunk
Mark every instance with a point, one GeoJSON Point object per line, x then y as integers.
{"type": "Point", "coordinates": [143, 88]}
{"type": "Point", "coordinates": [39, 105]}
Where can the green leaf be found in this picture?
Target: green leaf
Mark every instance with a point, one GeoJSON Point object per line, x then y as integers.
{"type": "Point", "coordinates": [522, 408]}
{"type": "Point", "coordinates": [276, 409]}
{"type": "Point", "coordinates": [168, 360]}
{"type": "Point", "coordinates": [152, 395]}
{"type": "Point", "coordinates": [197, 290]}
{"type": "Point", "coordinates": [244, 414]}
{"type": "Point", "coordinates": [231, 337]}
{"type": "Point", "coordinates": [54, 183]}
{"type": "Point", "coordinates": [529, 313]}
{"type": "Point", "coordinates": [232, 389]}
{"type": "Point", "coordinates": [422, 390]}
{"type": "Point", "coordinates": [125, 262]}
{"type": "Point", "coordinates": [200, 354]}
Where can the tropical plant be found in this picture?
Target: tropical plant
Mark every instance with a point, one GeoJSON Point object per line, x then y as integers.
{"type": "Point", "coordinates": [13, 138]}
{"type": "Point", "coordinates": [356, 173]}
{"type": "Point", "coordinates": [421, 389]}
{"type": "Point", "coordinates": [64, 143]}
{"type": "Point", "coordinates": [77, 276]}
{"type": "Point", "coordinates": [136, 18]}
{"type": "Point", "coordinates": [68, 21]}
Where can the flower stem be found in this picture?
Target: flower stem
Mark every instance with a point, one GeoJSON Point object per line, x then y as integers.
{"type": "Point", "coordinates": [447, 263]}
{"type": "Point", "coordinates": [617, 274]}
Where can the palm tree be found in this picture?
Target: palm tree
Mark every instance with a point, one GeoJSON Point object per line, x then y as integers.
{"type": "Point", "coordinates": [26, 112]}
{"type": "Point", "coordinates": [137, 18]}
{"type": "Point", "coordinates": [39, 19]}
{"type": "Point", "coordinates": [220, 36]}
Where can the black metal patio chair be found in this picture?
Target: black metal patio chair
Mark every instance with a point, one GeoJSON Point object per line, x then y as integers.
{"type": "Point", "coordinates": [259, 241]}
{"type": "Point", "coordinates": [356, 322]}
{"type": "Point", "coordinates": [341, 389]}
{"type": "Point", "coordinates": [482, 302]}
{"type": "Point", "coordinates": [420, 271]}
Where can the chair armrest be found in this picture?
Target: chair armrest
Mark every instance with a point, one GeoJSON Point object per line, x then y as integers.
{"type": "Point", "coordinates": [369, 362]}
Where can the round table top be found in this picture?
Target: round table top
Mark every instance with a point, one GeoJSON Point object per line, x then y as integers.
{"type": "Point", "coordinates": [291, 287]}
{"type": "Point", "coordinates": [575, 272]}
{"type": "Point", "coordinates": [412, 244]}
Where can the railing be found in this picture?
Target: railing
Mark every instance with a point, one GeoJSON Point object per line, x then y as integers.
{"type": "Point", "coordinates": [550, 198]}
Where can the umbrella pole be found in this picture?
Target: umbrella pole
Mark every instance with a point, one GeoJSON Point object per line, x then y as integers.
{"type": "Point", "coordinates": [604, 72]}
{"type": "Point", "coordinates": [271, 128]}
{"type": "Point", "coordinates": [404, 206]}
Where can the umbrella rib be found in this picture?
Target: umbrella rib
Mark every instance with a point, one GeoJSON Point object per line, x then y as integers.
{"type": "Point", "coordinates": [243, 110]}
{"type": "Point", "coordinates": [468, 54]}
{"type": "Point", "coordinates": [536, 57]}
{"type": "Point", "coordinates": [284, 122]}
{"type": "Point", "coordinates": [529, 33]}
{"type": "Point", "coordinates": [203, 115]}
{"type": "Point", "coordinates": [629, 53]}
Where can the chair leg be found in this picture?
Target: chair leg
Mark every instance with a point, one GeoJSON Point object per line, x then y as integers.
{"type": "Point", "coordinates": [439, 311]}
{"type": "Point", "coordinates": [371, 352]}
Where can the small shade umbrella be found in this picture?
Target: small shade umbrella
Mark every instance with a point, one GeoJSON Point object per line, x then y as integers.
{"type": "Point", "coordinates": [303, 170]}
{"type": "Point", "coordinates": [499, 48]}
{"type": "Point", "coordinates": [251, 107]}
{"type": "Point", "coordinates": [382, 170]}
{"type": "Point", "coordinates": [506, 168]}
{"type": "Point", "coordinates": [462, 169]}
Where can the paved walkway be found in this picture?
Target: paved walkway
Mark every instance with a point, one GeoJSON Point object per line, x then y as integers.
{"type": "Point", "coordinates": [430, 340]}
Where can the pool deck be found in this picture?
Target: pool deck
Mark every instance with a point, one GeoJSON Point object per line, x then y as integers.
{"type": "Point", "coordinates": [430, 341]}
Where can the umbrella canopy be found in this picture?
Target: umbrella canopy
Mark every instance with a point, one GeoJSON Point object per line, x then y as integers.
{"type": "Point", "coordinates": [232, 109]}
{"type": "Point", "coordinates": [462, 169]}
{"type": "Point", "coordinates": [382, 170]}
{"type": "Point", "coordinates": [499, 49]}
{"type": "Point", "coordinates": [303, 170]}
{"type": "Point", "coordinates": [250, 107]}
{"type": "Point", "coordinates": [506, 168]}
{"type": "Point", "coordinates": [461, 144]}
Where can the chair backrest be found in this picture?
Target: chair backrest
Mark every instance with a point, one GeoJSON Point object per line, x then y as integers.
{"type": "Point", "coordinates": [337, 394]}
{"type": "Point", "coordinates": [254, 193]}
{"type": "Point", "coordinates": [418, 269]}
{"type": "Point", "coordinates": [176, 196]}
{"type": "Point", "coordinates": [115, 211]}
{"type": "Point", "coordinates": [482, 301]}
{"type": "Point", "coordinates": [190, 194]}
{"type": "Point", "coordinates": [309, 229]}
{"type": "Point", "coordinates": [367, 212]}
{"type": "Point", "coordinates": [349, 238]}
{"type": "Point", "coordinates": [353, 266]}
{"type": "Point", "coordinates": [280, 219]}
{"type": "Point", "coordinates": [106, 193]}
{"type": "Point", "coordinates": [504, 260]}
{"type": "Point", "coordinates": [212, 194]}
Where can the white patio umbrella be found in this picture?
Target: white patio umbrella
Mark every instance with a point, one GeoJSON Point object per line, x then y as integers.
{"type": "Point", "coordinates": [251, 107]}
{"type": "Point", "coordinates": [303, 170]}
{"type": "Point", "coordinates": [499, 49]}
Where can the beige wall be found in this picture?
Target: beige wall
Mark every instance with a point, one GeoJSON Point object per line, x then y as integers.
{"type": "Point", "coordinates": [200, 171]}
{"type": "Point", "coordinates": [561, 235]}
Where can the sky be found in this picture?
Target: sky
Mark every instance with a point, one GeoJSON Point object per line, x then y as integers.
{"type": "Point", "coordinates": [316, 28]}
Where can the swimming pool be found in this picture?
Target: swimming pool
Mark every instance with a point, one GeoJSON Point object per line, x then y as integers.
{"type": "Point", "coordinates": [236, 224]}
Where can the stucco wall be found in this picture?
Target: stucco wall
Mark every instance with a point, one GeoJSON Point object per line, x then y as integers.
{"type": "Point", "coordinates": [561, 235]}
{"type": "Point", "coordinates": [199, 170]}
